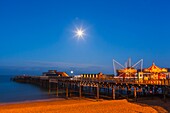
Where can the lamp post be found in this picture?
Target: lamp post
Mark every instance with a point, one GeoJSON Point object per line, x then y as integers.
{"type": "Point", "coordinates": [72, 73]}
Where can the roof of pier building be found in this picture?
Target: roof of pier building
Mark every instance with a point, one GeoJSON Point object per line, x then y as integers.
{"type": "Point", "coordinates": [55, 73]}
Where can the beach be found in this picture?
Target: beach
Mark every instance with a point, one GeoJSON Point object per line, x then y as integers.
{"type": "Point", "coordinates": [76, 106]}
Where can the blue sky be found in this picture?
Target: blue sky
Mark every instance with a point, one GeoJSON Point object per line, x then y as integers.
{"type": "Point", "coordinates": [40, 33]}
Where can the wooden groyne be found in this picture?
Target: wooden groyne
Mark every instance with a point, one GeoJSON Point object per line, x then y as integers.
{"type": "Point", "coordinates": [99, 88]}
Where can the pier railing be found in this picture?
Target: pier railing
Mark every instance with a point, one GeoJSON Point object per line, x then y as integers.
{"type": "Point", "coordinates": [108, 80]}
{"type": "Point", "coordinates": [123, 81]}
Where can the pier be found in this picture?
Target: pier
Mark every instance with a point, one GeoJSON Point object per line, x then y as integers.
{"type": "Point", "coordinates": [106, 88]}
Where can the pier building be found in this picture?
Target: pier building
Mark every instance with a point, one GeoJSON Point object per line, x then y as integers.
{"type": "Point", "coordinates": [55, 73]}
{"type": "Point", "coordinates": [99, 75]}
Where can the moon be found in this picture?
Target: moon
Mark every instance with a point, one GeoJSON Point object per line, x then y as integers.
{"type": "Point", "coordinates": [79, 33]}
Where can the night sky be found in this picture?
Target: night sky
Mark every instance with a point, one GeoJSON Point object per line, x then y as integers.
{"type": "Point", "coordinates": [39, 33]}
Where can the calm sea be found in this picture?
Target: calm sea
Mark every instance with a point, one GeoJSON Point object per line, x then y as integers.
{"type": "Point", "coordinates": [17, 92]}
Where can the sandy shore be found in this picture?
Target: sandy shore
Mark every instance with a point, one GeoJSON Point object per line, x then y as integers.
{"type": "Point", "coordinates": [76, 106]}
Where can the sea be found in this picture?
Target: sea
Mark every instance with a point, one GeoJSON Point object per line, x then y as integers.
{"type": "Point", "coordinates": [11, 91]}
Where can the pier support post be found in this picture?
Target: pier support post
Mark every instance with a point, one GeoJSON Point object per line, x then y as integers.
{"type": "Point", "coordinates": [67, 90]}
{"type": "Point", "coordinates": [164, 93]}
{"type": "Point", "coordinates": [80, 90]}
{"type": "Point", "coordinates": [113, 93]}
{"type": "Point", "coordinates": [127, 92]}
{"type": "Point", "coordinates": [49, 88]}
{"type": "Point", "coordinates": [70, 89]}
{"type": "Point", "coordinates": [97, 88]}
{"type": "Point", "coordinates": [118, 88]}
{"type": "Point", "coordinates": [57, 89]}
{"type": "Point", "coordinates": [135, 94]}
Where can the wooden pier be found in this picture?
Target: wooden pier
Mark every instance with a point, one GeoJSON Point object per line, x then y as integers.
{"type": "Point", "coordinates": [112, 88]}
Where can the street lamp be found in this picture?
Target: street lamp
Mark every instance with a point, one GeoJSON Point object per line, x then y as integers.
{"type": "Point", "coordinates": [72, 72]}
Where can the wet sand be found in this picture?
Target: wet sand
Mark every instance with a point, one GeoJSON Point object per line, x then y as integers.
{"type": "Point", "coordinates": [76, 106]}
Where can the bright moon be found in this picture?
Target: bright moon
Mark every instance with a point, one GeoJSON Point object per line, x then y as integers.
{"type": "Point", "coordinates": [79, 33]}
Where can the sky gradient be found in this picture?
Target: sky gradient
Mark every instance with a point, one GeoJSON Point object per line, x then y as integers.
{"type": "Point", "coordinates": [39, 33]}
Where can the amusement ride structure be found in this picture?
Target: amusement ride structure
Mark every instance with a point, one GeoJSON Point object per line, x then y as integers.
{"type": "Point", "coordinates": [136, 71]}
{"type": "Point", "coordinates": [154, 72]}
{"type": "Point", "coordinates": [128, 70]}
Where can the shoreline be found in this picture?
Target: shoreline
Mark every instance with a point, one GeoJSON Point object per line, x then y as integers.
{"type": "Point", "coordinates": [32, 101]}
{"type": "Point", "coordinates": [48, 100]}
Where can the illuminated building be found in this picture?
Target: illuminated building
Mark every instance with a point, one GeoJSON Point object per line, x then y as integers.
{"type": "Point", "coordinates": [99, 75]}
{"type": "Point", "coordinates": [154, 72]}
